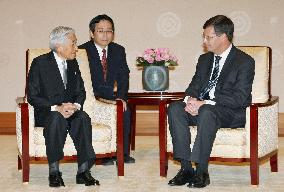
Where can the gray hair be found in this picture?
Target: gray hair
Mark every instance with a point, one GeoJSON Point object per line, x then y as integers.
{"type": "Point", "coordinates": [59, 36]}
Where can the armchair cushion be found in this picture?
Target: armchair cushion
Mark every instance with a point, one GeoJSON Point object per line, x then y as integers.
{"type": "Point", "coordinates": [229, 143]}
{"type": "Point", "coordinates": [260, 87]}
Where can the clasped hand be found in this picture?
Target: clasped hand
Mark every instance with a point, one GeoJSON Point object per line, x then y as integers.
{"type": "Point", "coordinates": [66, 109]}
{"type": "Point", "coordinates": [193, 105]}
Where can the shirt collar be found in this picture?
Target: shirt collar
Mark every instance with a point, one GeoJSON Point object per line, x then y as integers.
{"type": "Point", "coordinates": [58, 59]}
{"type": "Point", "coordinates": [100, 50]}
{"type": "Point", "coordinates": [225, 54]}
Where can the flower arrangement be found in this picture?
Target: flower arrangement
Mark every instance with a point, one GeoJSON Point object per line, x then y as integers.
{"type": "Point", "coordinates": [157, 57]}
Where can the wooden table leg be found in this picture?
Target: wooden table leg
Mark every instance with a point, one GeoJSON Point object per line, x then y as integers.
{"type": "Point", "coordinates": [163, 139]}
{"type": "Point", "coordinates": [133, 126]}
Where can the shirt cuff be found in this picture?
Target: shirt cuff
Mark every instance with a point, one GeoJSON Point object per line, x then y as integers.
{"type": "Point", "coordinates": [185, 99]}
{"type": "Point", "coordinates": [53, 108]}
{"type": "Point", "coordinates": [78, 106]}
{"type": "Point", "coordinates": [210, 102]}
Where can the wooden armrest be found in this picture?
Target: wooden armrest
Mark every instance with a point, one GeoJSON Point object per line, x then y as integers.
{"type": "Point", "coordinates": [270, 101]}
{"type": "Point", "coordinates": [113, 102]}
{"type": "Point", "coordinates": [168, 101]}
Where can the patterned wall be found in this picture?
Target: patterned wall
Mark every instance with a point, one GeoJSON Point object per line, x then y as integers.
{"type": "Point", "coordinates": [140, 24]}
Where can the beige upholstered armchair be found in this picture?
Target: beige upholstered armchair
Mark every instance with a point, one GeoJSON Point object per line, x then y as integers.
{"type": "Point", "coordinates": [254, 143]}
{"type": "Point", "coordinates": [106, 118]}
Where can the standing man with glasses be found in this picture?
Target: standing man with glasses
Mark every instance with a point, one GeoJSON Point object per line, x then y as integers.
{"type": "Point", "coordinates": [108, 67]}
{"type": "Point", "coordinates": [217, 96]}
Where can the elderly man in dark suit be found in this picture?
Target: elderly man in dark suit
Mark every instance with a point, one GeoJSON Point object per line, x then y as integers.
{"type": "Point", "coordinates": [217, 96]}
{"type": "Point", "coordinates": [56, 91]}
{"type": "Point", "coordinates": [108, 66]}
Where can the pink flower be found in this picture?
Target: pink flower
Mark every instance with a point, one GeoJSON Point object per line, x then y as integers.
{"type": "Point", "coordinates": [159, 56]}
{"type": "Point", "coordinates": [150, 60]}
{"type": "Point", "coordinates": [174, 58]}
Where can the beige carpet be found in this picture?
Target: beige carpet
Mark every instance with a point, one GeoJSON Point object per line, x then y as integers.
{"type": "Point", "coordinates": [141, 176]}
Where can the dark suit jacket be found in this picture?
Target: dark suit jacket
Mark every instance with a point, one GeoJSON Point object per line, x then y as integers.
{"type": "Point", "coordinates": [234, 86]}
{"type": "Point", "coordinates": [46, 88]}
{"type": "Point", "coordinates": [117, 71]}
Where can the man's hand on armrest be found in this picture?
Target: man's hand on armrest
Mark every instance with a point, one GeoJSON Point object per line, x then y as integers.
{"type": "Point", "coordinates": [124, 104]}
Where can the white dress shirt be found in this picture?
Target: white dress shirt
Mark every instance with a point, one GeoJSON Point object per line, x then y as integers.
{"type": "Point", "coordinates": [100, 50]}
{"type": "Point", "coordinates": [223, 56]}
{"type": "Point", "coordinates": [62, 66]}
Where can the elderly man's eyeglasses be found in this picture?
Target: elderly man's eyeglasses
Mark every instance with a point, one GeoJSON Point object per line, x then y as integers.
{"type": "Point", "coordinates": [208, 38]}
{"type": "Point", "coordinates": [102, 32]}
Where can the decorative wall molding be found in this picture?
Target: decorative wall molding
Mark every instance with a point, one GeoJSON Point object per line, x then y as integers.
{"type": "Point", "coordinates": [7, 123]}
{"type": "Point", "coordinates": [146, 122]}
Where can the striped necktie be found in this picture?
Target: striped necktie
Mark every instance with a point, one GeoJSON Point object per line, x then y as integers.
{"type": "Point", "coordinates": [204, 95]}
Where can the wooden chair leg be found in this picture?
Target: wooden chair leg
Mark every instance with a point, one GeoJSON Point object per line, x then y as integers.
{"type": "Point", "coordinates": [26, 168]}
{"type": "Point", "coordinates": [19, 163]}
{"type": "Point", "coordinates": [119, 152]}
{"type": "Point", "coordinates": [254, 172]}
{"type": "Point", "coordinates": [120, 166]}
{"type": "Point", "coordinates": [25, 142]}
{"type": "Point", "coordinates": [254, 161]}
{"type": "Point", "coordinates": [163, 165]}
{"type": "Point", "coordinates": [274, 163]}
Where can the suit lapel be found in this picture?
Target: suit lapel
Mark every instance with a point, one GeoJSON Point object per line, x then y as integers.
{"type": "Point", "coordinates": [208, 69]}
{"type": "Point", "coordinates": [53, 71]}
{"type": "Point", "coordinates": [70, 74]}
{"type": "Point", "coordinates": [110, 57]}
{"type": "Point", "coordinates": [94, 52]}
{"type": "Point", "coordinates": [228, 66]}
{"type": "Point", "coordinates": [95, 61]}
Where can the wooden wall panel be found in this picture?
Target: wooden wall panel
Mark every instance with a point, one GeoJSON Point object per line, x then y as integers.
{"type": "Point", "coordinates": [147, 123]}
{"type": "Point", "coordinates": [7, 123]}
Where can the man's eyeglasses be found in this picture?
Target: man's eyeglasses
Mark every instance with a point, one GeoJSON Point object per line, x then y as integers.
{"type": "Point", "coordinates": [102, 32]}
{"type": "Point", "coordinates": [208, 38]}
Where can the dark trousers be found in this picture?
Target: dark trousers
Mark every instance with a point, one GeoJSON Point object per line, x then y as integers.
{"type": "Point", "coordinates": [80, 129]}
{"type": "Point", "coordinates": [209, 119]}
{"type": "Point", "coordinates": [126, 130]}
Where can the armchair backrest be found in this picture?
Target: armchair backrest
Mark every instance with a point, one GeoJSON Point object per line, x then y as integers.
{"type": "Point", "coordinates": [83, 62]}
{"type": "Point", "coordinates": [261, 84]}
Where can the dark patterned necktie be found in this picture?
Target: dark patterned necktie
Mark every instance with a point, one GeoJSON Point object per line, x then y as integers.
{"type": "Point", "coordinates": [204, 95]}
{"type": "Point", "coordinates": [104, 64]}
